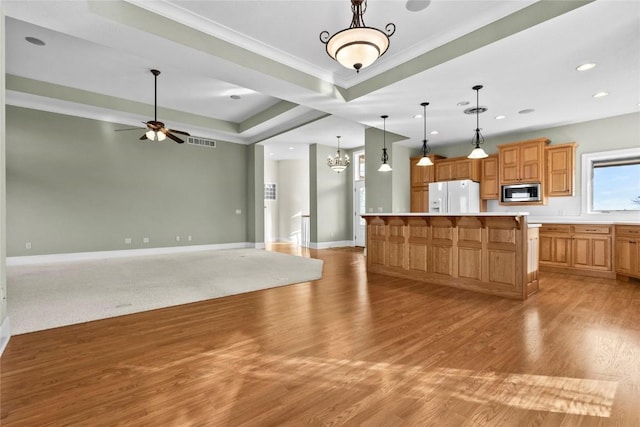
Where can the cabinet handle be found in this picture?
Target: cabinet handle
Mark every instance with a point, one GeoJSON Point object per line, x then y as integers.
{"type": "Point", "coordinates": [591, 229]}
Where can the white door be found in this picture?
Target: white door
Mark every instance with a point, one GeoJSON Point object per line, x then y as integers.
{"type": "Point", "coordinates": [359, 207]}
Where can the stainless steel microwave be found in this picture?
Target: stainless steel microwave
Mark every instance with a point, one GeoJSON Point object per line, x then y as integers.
{"type": "Point", "coordinates": [521, 193]}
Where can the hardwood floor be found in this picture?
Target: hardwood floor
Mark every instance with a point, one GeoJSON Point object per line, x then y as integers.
{"type": "Point", "coordinates": [349, 349]}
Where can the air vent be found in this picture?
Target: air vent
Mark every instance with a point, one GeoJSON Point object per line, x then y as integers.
{"type": "Point", "coordinates": [201, 141]}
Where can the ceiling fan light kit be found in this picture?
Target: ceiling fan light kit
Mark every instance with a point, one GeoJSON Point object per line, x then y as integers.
{"type": "Point", "coordinates": [358, 46]}
{"type": "Point", "coordinates": [156, 131]}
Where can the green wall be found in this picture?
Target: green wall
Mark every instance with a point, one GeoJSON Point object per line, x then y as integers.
{"type": "Point", "coordinates": [331, 198]}
{"type": "Point", "coordinates": [380, 186]}
{"type": "Point", "coordinates": [76, 185]}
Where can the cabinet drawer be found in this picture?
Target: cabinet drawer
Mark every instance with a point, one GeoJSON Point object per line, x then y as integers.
{"type": "Point", "coordinates": [592, 229]}
{"type": "Point", "coordinates": [555, 228]}
{"type": "Point", "coordinates": [628, 230]}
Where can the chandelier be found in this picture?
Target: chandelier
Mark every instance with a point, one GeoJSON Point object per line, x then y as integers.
{"type": "Point", "coordinates": [358, 46]}
{"type": "Point", "coordinates": [425, 161]}
{"type": "Point", "coordinates": [384, 167]}
{"type": "Point", "coordinates": [338, 163]}
{"type": "Point", "coordinates": [477, 153]}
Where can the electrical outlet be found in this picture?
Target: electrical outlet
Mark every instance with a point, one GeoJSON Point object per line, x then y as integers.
{"type": "Point", "coordinates": [27, 245]}
{"type": "Point", "coordinates": [177, 238]}
{"type": "Point", "coordinates": [189, 238]}
{"type": "Point", "coordinates": [145, 240]}
{"type": "Point", "coordinates": [238, 212]}
{"type": "Point", "coordinates": [127, 240]}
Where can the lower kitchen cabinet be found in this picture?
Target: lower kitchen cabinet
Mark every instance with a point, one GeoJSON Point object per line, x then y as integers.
{"type": "Point", "coordinates": [419, 199]}
{"type": "Point", "coordinates": [583, 249]}
{"type": "Point", "coordinates": [628, 250]}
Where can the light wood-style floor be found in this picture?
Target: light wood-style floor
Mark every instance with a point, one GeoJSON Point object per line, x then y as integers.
{"type": "Point", "coordinates": [349, 349]}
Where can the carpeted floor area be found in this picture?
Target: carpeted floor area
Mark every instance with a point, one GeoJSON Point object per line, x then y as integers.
{"type": "Point", "coordinates": [46, 296]}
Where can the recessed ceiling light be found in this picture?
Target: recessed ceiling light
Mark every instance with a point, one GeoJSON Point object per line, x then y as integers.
{"type": "Point", "coordinates": [499, 117]}
{"type": "Point", "coordinates": [271, 154]}
{"type": "Point", "coordinates": [35, 41]}
{"type": "Point", "coordinates": [235, 97]}
{"type": "Point", "coordinates": [417, 116]}
{"type": "Point", "coordinates": [586, 66]}
{"type": "Point", "coordinates": [434, 132]}
{"type": "Point", "coordinates": [600, 94]}
{"type": "Point", "coordinates": [463, 103]}
{"type": "Point", "coordinates": [526, 111]}
{"type": "Point", "coordinates": [290, 148]}
{"type": "Point", "coordinates": [417, 5]}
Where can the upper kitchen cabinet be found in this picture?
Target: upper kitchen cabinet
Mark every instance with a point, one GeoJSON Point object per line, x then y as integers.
{"type": "Point", "coordinates": [457, 168]}
{"type": "Point", "coordinates": [421, 176]}
{"type": "Point", "coordinates": [489, 185]}
{"type": "Point", "coordinates": [560, 169]}
{"type": "Point", "coordinates": [522, 162]}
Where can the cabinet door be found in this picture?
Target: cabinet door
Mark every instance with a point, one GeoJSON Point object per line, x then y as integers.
{"type": "Point", "coordinates": [444, 171]}
{"type": "Point", "coordinates": [591, 252]}
{"type": "Point", "coordinates": [555, 249]}
{"type": "Point", "coordinates": [531, 162]}
{"type": "Point", "coordinates": [416, 172]}
{"type": "Point", "coordinates": [560, 162]}
{"type": "Point", "coordinates": [419, 199]}
{"type": "Point", "coordinates": [624, 246]}
{"type": "Point", "coordinates": [489, 188]}
{"type": "Point", "coordinates": [509, 164]}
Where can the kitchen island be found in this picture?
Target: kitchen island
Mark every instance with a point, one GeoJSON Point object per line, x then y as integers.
{"type": "Point", "coordinates": [492, 253]}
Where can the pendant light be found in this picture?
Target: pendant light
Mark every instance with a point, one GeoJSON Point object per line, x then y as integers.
{"type": "Point", "coordinates": [358, 46]}
{"type": "Point", "coordinates": [425, 161]}
{"type": "Point", "coordinates": [384, 167]}
{"type": "Point", "coordinates": [338, 163]}
{"type": "Point", "coordinates": [478, 153]}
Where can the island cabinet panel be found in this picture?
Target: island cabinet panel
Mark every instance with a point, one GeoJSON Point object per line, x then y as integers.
{"type": "Point", "coordinates": [396, 243]}
{"type": "Point", "coordinates": [442, 240]}
{"type": "Point", "coordinates": [501, 268]}
{"type": "Point", "coordinates": [486, 253]}
{"type": "Point", "coordinates": [418, 240]}
{"type": "Point", "coordinates": [533, 237]}
{"type": "Point", "coordinates": [469, 245]}
{"type": "Point", "coordinates": [376, 241]}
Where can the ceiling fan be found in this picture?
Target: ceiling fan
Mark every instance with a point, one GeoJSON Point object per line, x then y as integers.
{"type": "Point", "coordinates": [156, 130]}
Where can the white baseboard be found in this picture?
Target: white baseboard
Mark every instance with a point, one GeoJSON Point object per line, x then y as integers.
{"type": "Point", "coordinates": [5, 334]}
{"type": "Point", "coordinates": [82, 256]}
{"type": "Point", "coordinates": [327, 245]}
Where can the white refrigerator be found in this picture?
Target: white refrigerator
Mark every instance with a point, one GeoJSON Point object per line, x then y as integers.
{"type": "Point", "coordinates": [454, 197]}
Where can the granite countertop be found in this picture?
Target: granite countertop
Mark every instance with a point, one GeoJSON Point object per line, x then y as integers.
{"type": "Point", "coordinates": [581, 220]}
{"type": "Point", "coordinates": [446, 214]}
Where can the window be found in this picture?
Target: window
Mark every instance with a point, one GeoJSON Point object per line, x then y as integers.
{"type": "Point", "coordinates": [611, 181]}
{"type": "Point", "coordinates": [269, 191]}
{"type": "Point", "coordinates": [358, 170]}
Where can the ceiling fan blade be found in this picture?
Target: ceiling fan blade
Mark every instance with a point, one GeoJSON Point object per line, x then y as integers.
{"type": "Point", "coordinates": [120, 130]}
{"type": "Point", "coordinates": [175, 138]}
{"type": "Point", "coordinates": [180, 132]}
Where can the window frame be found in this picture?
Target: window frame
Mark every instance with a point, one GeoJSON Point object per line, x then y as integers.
{"type": "Point", "coordinates": [588, 161]}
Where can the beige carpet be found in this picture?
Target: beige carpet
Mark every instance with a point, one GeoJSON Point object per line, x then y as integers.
{"type": "Point", "coordinates": [47, 296]}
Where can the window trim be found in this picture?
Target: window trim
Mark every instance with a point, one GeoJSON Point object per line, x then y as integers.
{"type": "Point", "coordinates": [588, 159]}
